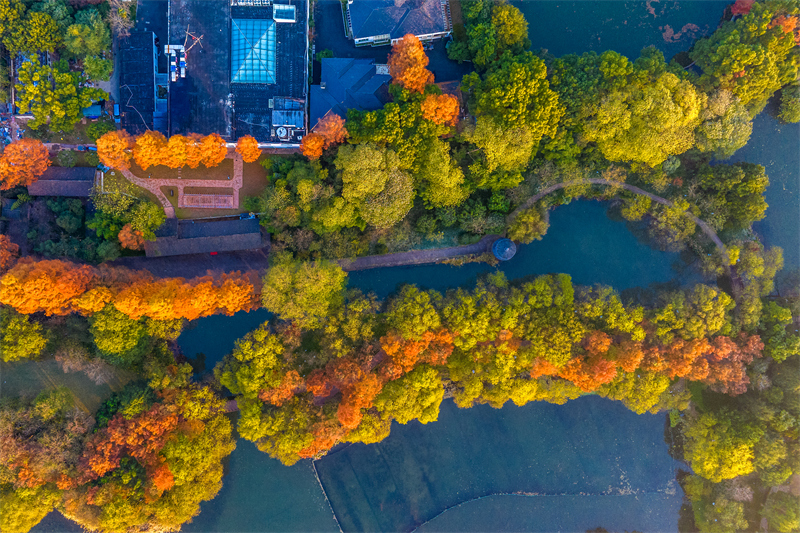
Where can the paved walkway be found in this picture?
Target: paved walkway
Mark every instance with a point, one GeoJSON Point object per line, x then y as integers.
{"type": "Point", "coordinates": [417, 257]}
{"type": "Point", "coordinates": [154, 185]}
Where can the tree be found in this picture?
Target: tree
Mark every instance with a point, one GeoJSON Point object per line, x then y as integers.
{"type": "Point", "coordinates": [46, 286]}
{"type": "Point", "coordinates": [121, 340]}
{"type": "Point", "coordinates": [739, 191]}
{"type": "Point", "coordinates": [130, 238]}
{"type": "Point", "coordinates": [312, 145]}
{"type": "Point", "coordinates": [22, 162]}
{"type": "Point", "coordinates": [407, 63]}
{"type": "Point", "coordinates": [150, 149]}
{"type": "Point", "coordinates": [365, 169]}
{"type": "Point", "coordinates": [146, 217]}
{"type": "Point", "coordinates": [390, 206]}
{"type": "Point", "coordinates": [415, 396]}
{"type": "Point", "coordinates": [91, 39]}
{"type": "Point", "coordinates": [39, 33]}
{"type": "Point", "coordinates": [726, 125]}
{"type": "Point", "coordinates": [8, 253]}
{"type": "Point", "coordinates": [255, 365]}
{"type": "Point", "coordinates": [516, 94]}
{"type": "Point", "coordinates": [11, 12]}
{"type": "Point", "coordinates": [719, 446]}
{"type": "Point", "coordinates": [54, 96]}
{"type": "Point", "coordinates": [214, 150]}
{"type": "Point", "coordinates": [790, 104]}
{"type": "Point", "coordinates": [174, 155]}
{"type": "Point", "coordinates": [304, 293]}
{"type": "Point", "coordinates": [648, 122]}
{"type": "Point", "coordinates": [114, 149]}
{"type": "Point", "coordinates": [441, 109]}
{"type": "Point", "coordinates": [247, 147]}
{"type": "Point", "coordinates": [749, 56]}
{"type": "Point", "coordinates": [511, 27]}
{"type": "Point", "coordinates": [331, 128]}
{"type": "Point", "coordinates": [440, 181]}
{"type": "Point", "coordinates": [19, 337]}
{"type": "Point", "coordinates": [413, 312]}
{"type": "Point", "coordinates": [504, 154]}
{"type": "Point", "coordinates": [781, 512]}
{"type": "Point", "coordinates": [528, 226]}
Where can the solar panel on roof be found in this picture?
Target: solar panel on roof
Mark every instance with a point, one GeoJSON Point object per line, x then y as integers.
{"type": "Point", "coordinates": [252, 51]}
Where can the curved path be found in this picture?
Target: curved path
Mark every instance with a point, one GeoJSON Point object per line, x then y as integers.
{"type": "Point", "coordinates": [708, 230]}
{"type": "Point", "coordinates": [154, 185]}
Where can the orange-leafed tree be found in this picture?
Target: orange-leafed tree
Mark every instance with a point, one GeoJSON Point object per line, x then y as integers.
{"type": "Point", "coordinates": [130, 238]}
{"type": "Point", "coordinates": [332, 129]}
{"type": "Point", "coordinates": [312, 145]}
{"type": "Point", "coordinates": [441, 109]}
{"type": "Point", "coordinates": [214, 150]}
{"type": "Point", "coordinates": [290, 382]}
{"type": "Point", "coordinates": [355, 397]}
{"type": "Point", "coordinates": [47, 286]}
{"type": "Point", "coordinates": [247, 147]}
{"type": "Point", "coordinates": [194, 150]}
{"type": "Point", "coordinates": [22, 163]}
{"type": "Point", "coordinates": [788, 25]}
{"type": "Point", "coordinates": [407, 64]}
{"type": "Point", "coordinates": [8, 253]}
{"type": "Point", "coordinates": [150, 149]}
{"type": "Point", "coordinates": [176, 151]}
{"type": "Point", "coordinates": [114, 149]}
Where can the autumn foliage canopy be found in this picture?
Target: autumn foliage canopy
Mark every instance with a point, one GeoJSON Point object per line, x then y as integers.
{"type": "Point", "coordinates": [116, 149]}
{"type": "Point", "coordinates": [328, 132]}
{"type": "Point", "coordinates": [59, 287]}
{"type": "Point", "coordinates": [8, 253]}
{"type": "Point", "coordinates": [247, 147]}
{"type": "Point", "coordinates": [441, 109]}
{"type": "Point", "coordinates": [22, 163]}
{"type": "Point", "coordinates": [407, 64]}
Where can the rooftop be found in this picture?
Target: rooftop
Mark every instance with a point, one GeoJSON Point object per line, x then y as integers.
{"type": "Point", "coordinates": [348, 84]}
{"type": "Point", "coordinates": [137, 86]}
{"type": "Point", "coordinates": [74, 182]}
{"type": "Point", "coordinates": [195, 237]}
{"type": "Point", "coordinates": [395, 18]}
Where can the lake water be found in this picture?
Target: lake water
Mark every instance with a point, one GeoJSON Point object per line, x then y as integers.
{"type": "Point", "coordinates": [420, 474]}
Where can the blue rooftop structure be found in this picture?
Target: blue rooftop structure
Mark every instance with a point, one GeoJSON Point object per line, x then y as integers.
{"type": "Point", "coordinates": [252, 51]}
{"type": "Point", "coordinates": [349, 84]}
{"type": "Point", "coordinates": [379, 22]}
{"type": "Point", "coordinates": [504, 249]}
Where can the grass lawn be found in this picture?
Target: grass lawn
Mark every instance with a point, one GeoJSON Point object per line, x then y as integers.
{"type": "Point", "coordinates": [78, 134]}
{"type": "Point", "coordinates": [254, 179]}
{"type": "Point", "coordinates": [112, 178]}
{"type": "Point", "coordinates": [29, 378]}
{"type": "Point", "coordinates": [220, 172]}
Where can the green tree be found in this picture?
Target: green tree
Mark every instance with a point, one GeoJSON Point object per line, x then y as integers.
{"type": "Point", "coordinates": [639, 391]}
{"type": "Point", "coordinates": [648, 121]}
{"type": "Point", "coordinates": [726, 125]}
{"type": "Point", "coordinates": [439, 180]}
{"type": "Point", "coordinates": [11, 12]}
{"type": "Point", "coordinates": [790, 104]}
{"type": "Point", "coordinates": [19, 337]}
{"type": "Point", "coordinates": [636, 207]}
{"type": "Point", "coordinates": [504, 154]}
{"type": "Point", "coordinates": [782, 512]}
{"type": "Point", "coordinates": [38, 33]}
{"type": "Point", "coordinates": [720, 516]}
{"type": "Point", "coordinates": [739, 190]}
{"type": "Point", "coordinates": [108, 251]}
{"type": "Point", "coordinates": [516, 94]}
{"type": "Point", "coordinates": [25, 507]}
{"type": "Point", "coordinates": [91, 39]}
{"type": "Point", "coordinates": [391, 205]}
{"type": "Point", "coordinates": [749, 56]}
{"type": "Point", "coordinates": [98, 69]}
{"type": "Point", "coordinates": [147, 216]}
{"type": "Point", "coordinates": [413, 312]}
{"type": "Point", "coordinates": [60, 101]}
{"type": "Point", "coordinates": [58, 9]}
{"type": "Point", "coordinates": [415, 396]}
{"type": "Point", "coordinates": [719, 445]}
{"type": "Point", "coordinates": [120, 340]}
{"type": "Point", "coordinates": [511, 27]}
{"type": "Point", "coordinates": [305, 293]}
{"type": "Point", "coordinates": [528, 226]}
{"type": "Point", "coordinates": [255, 364]}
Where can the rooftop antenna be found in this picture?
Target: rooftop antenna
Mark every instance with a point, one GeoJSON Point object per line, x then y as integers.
{"type": "Point", "coordinates": [195, 40]}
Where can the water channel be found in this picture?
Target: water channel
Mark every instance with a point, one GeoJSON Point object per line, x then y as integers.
{"type": "Point", "coordinates": [540, 467]}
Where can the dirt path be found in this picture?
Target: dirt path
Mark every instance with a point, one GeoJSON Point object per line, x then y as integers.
{"type": "Point", "coordinates": [708, 230]}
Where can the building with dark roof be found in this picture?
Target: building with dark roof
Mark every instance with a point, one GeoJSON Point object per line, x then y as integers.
{"type": "Point", "coordinates": [142, 108]}
{"type": "Point", "coordinates": [246, 73]}
{"type": "Point", "coordinates": [383, 22]}
{"type": "Point", "coordinates": [74, 182]}
{"type": "Point", "coordinates": [183, 237]}
{"type": "Point", "coordinates": [348, 84]}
